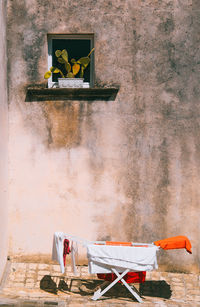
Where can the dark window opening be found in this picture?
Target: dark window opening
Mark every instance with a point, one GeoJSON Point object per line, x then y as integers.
{"type": "Point", "coordinates": [76, 49]}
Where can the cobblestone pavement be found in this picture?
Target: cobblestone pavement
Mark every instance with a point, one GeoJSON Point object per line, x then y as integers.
{"type": "Point", "coordinates": [21, 287]}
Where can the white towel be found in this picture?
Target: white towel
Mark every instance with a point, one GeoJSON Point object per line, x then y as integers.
{"type": "Point", "coordinates": [103, 257]}
{"type": "Point", "coordinates": [57, 251]}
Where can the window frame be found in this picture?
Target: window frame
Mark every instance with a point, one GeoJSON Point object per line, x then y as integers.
{"type": "Point", "coordinates": [51, 37]}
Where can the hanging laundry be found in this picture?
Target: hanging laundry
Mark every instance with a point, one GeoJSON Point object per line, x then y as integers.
{"type": "Point", "coordinates": [66, 250]}
{"type": "Point", "coordinates": [175, 243]}
{"type": "Point", "coordinates": [130, 277]}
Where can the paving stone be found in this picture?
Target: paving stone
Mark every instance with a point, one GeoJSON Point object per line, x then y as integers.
{"type": "Point", "coordinates": [155, 275]}
{"type": "Point", "coordinates": [177, 288]}
{"type": "Point", "coordinates": [179, 294]}
{"type": "Point", "coordinates": [196, 298]}
{"type": "Point", "coordinates": [32, 266]}
{"type": "Point", "coordinates": [190, 298]}
{"type": "Point", "coordinates": [43, 266]}
{"type": "Point", "coordinates": [18, 284]}
{"type": "Point", "coordinates": [21, 266]}
{"type": "Point", "coordinates": [175, 279]}
{"type": "Point", "coordinates": [20, 278]}
{"type": "Point", "coordinates": [72, 276]}
{"type": "Point", "coordinates": [194, 292]}
{"type": "Point", "coordinates": [9, 284]}
{"type": "Point", "coordinates": [189, 285]}
{"type": "Point", "coordinates": [164, 276]}
{"type": "Point", "coordinates": [56, 268]}
{"type": "Point", "coordinates": [26, 277]}
{"type": "Point", "coordinates": [148, 275]}
{"type": "Point", "coordinates": [191, 277]}
{"type": "Point", "coordinates": [11, 278]}
{"type": "Point", "coordinates": [29, 285]}
{"type": "Point", "coordinates": [84, 269]}
{"type": "Point", "coordinates": [29, 280]}
{"type": "Point", "coordinates": [31, 272]}
{"type": "Point", "coordinates": [42, 273]}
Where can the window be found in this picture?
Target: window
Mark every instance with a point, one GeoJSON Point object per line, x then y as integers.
{"type": "Point", "coordinates": [77, 46]}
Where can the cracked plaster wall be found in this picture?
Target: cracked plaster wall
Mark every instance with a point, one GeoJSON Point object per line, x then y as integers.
{"type": "Point", "coordinates": [120, 170]}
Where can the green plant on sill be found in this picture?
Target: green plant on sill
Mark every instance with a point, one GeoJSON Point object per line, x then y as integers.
{"type": "Point", "coordinates": [70, 70]}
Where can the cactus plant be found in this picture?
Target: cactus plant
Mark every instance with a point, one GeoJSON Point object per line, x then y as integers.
{"type": "Point", "coordinates": [69, 70]}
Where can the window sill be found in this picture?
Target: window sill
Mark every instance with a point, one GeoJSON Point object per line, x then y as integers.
{"type": "Point", "coordinates": [47, 94]}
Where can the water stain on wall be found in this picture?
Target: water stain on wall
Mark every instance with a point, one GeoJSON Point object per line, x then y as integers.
{"type": "Point", "coordinates": [63, 123]}
{"type": "Point", "coordinates": [167, 26]}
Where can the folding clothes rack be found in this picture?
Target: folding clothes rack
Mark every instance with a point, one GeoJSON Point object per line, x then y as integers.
{"type": "Point", "coordinates": [102, 258]}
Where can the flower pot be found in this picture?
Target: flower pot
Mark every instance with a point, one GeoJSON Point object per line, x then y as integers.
{"type": "Point", "coordinates": [70, 82]}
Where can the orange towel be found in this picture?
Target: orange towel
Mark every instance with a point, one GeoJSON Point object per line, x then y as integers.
{"type": "Point", "coordinates": [174, 243]}
{"type": "Point", "coordinates": [118, 243]}
{"type": "Point", "coordinates": [125, 244]}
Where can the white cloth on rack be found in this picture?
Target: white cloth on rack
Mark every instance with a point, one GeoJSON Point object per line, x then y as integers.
{"type": "Point", "coordinates": [74, 256]}
{"type": "Point", "coordinates": [103, 257]}
{"type": "Point", "coordinates": [57, 251]}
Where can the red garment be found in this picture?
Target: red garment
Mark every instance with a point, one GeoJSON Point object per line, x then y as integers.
{"type": "Point", "coordinates": [131, 277]}
{"type": "Point", "coordinates": [175, 243]}
{"type": "Point", "coordinates": [66, 250]}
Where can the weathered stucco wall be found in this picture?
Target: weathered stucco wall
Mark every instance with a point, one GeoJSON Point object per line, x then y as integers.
{"type": "Point", "coordinates": [3, 140]}
{"type": "Point", "coordinates": [121, 170]}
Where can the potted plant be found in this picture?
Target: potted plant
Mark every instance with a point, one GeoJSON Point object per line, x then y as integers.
{"type": "Point", "coordinates": [69, 72]}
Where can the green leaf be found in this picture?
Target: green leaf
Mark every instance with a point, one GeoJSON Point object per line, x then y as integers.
{"type": "Point", "coordinates": [58, 53]}
{"type": "Point", "coordinates": [82, 71]}
{"type": "Point", "coordinates": [60, 60]}
{"type": "Point", "coordinates": [47, 75]}
{"type": "Point", "coordinates": [64, 55]}
{"type": "Point", "coordinates": [84, 61]}
{"type": "Point", "coordinates": [68, 67]}
{"type": "Point", "coordinates": [75, 68]}
{"type": "Point", "coordinates": [56, 71]}
{"type": "Point", "coordinates": [73, 61]}
{"type": "Point", "coordinates": [70, 75]}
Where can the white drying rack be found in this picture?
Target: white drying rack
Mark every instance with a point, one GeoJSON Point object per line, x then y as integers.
{"type": "Point", "coordinates": [104, 258]}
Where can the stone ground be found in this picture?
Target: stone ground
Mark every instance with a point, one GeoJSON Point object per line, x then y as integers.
{"type": "Point", "coordinates": [21, 287]}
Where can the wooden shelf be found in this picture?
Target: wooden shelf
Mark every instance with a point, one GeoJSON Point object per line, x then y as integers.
{"type": "Point", "coordinates": [47, 94]}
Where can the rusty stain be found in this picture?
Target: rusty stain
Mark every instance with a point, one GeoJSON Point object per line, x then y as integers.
{"type": "Point", "coordinates": [63, 124]}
